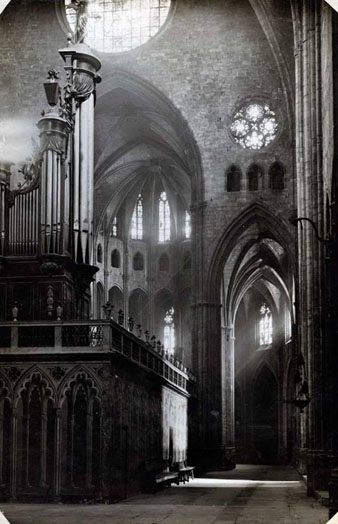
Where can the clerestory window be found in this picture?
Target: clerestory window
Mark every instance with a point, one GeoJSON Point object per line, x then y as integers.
{"type": "Point", "coordinates": [169, 331]}
{"type": "Point", "coordinates": [137, 220]}
{"type": "Point", "coordinates": [187, 225]}
{"type": "Point", "coordinates": [265, 326]}
{"type": "Point", "coordinates": [164, 218]}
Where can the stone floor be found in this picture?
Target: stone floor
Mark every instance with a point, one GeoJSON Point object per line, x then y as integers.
{"type": "Point", "coordinates": [247, 495]}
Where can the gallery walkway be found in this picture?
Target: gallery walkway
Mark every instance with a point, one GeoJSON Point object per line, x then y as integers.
{"type": "Point", "coordinates": [248, 495]}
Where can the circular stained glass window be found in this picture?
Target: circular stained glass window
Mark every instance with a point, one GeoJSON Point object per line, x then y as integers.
{"type": "Point", "coordinates": [254, 126]}
{"type": "Point", "coordinates": [114, 26]}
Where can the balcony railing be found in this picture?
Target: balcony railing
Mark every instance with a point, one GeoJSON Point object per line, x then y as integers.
{"type": "Point", "coordinates": [105, 336]}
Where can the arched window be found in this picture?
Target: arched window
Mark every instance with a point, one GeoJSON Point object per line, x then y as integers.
{"type": "Point", "coordinates": [138, 262]}
{"type": "Point", "coordinates": [169, 331]}
{"type": "Point", "coordinates": [114, 228]}
{"type": "Point", "coordinates": [164, 218]}
{"type": "Point", "coordinates": [115, 297]}
{"type": "Point", "coordinates": [99, 254]}
{"type": "Point", "coordinates": [137, 220]}
{"type": "Point", "coordinates": [115, 258]}
{"type": "Point", "coordinates": [276, 176]}
{"type": "Point", "coordinates": [164, 262]}
{"type": "Point", "coordinates": [265, 326]}
{"type": "Point", "coordinates": [253, 174]}
{"type": "Point", "coordinates": [187, 225]}
{"type": "Point", "coordinates": [233, 178]}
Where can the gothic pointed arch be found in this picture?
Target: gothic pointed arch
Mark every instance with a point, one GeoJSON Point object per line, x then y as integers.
{"type": "Point", "coordinates": [38, 376]}
{"type": "Point", "coordinates": [77, 376]}
{"type": "Point", "coordinates": [268, 224]}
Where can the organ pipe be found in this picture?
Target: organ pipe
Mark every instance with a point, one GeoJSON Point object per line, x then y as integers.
{"type": "Point", "coordinates": [5, 173]}
{"type": "Point", "coordinates": [82, 67]}
{"type": "Point", "coordinates": [53, 140]}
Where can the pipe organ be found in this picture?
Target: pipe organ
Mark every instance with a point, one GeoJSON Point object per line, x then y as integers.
{"type": "Point", "coordinates": [46, 223]}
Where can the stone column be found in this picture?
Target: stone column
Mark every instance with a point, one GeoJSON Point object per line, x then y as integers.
{"type": "Point", "coordinates": [89, 447]}
{"type": "Point", "coordinates": [228, 395]}
{"type": "Point", "coordinates": [215, 444]}
{"type": "Point", "coordinates": [57, 454]}
{"type": "Point", "coordinates": [43, 456]}
{"type": "Point", "coordinates": [309, 167]}
{"type": "Point", "coordinates": [13, 452]}
{"type": "Point", "coordinates": [1, 438]}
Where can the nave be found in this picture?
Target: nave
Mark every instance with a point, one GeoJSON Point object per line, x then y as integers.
{"type": "Point", "coordinates": [250, 494]}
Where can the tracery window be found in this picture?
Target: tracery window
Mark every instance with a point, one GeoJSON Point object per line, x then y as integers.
{"type": "Point", "coordinates": [137, 220]}
{"type": "Point", "coordinates": [254, 126]}
{"type": "Point", "coordinates": [265, 326]}
{"type": "Point", "coordinates": [164, 218]}
{"type": "Point", "coordinates": [120, 25]}
{"type": "Point", "coordinates": [187, 225]}
{"type": "Point", "coordinates": [169, 331]}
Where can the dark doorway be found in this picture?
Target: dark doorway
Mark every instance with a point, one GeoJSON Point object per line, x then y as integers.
{"type": "Point", "coordinates": [265, 417]}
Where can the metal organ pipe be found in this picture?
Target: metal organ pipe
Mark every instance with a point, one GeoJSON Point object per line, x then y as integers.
{"type": "Point", "coordinates": [5, 173]}
{"type": "Point", "coordinates": [83, 67]}
{"type": "Point", "coordinates": [53, 138]}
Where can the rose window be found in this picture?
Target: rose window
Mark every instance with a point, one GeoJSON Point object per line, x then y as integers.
{"type": "Point", "coordinates": [254, 126]}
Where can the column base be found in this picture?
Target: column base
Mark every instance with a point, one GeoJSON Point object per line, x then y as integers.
{"type": "Point", "coordinates": [318, 470]}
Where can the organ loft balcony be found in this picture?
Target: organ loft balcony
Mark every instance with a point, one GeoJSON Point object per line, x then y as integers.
{"type": "Point", "coordinates": [92, 340]}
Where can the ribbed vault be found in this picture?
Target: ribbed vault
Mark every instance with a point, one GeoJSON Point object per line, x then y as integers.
{"type": "Point", "coordinates": [140, 135]}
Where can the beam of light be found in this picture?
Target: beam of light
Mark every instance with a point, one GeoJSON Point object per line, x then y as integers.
{"type": "Point", "coordinates": [18, 139]}
{"type": "Point", "coordinates": [239, 483]}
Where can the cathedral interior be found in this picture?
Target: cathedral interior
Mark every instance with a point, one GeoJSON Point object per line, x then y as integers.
{"type": "Point", "coordinates": [168, 244]}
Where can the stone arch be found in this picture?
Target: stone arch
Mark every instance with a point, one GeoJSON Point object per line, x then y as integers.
{"type": "Point", "coordinates": [6, 389]}
{"type": "Point", "coordinates": [80, 406]}
{"type": "Point", "coordinates": [86, 376]}
{"type": "Point", "coordinates": [268, 223]}
{"type": "Point", "coordinates": [116, 298]}
{"type": "Point", "coordinates": [153, 137]}
{"type": "Point", "coordinates": [27, 377]}
{"type": "Point", "coordinates": [34, 434]}
{"type": "Point", "coordinates": [115, 258]}
{"type": "Point", "coordinates": [122, 79]}
{"type": "Point", "coordinates": [138, 307]}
